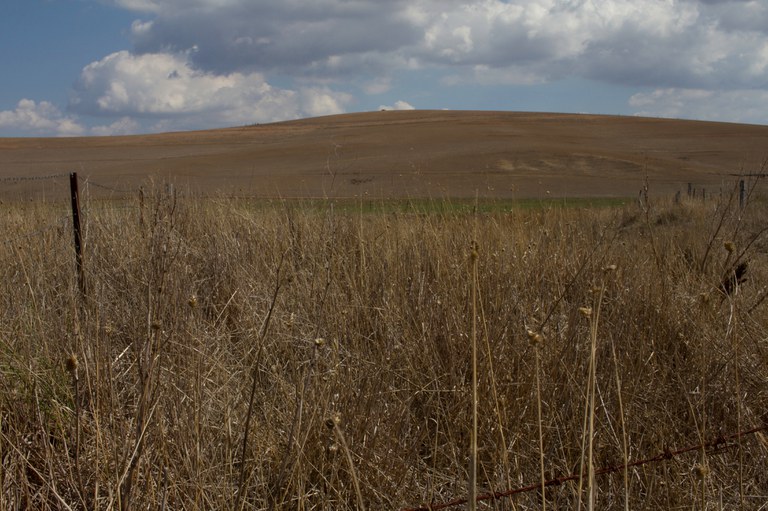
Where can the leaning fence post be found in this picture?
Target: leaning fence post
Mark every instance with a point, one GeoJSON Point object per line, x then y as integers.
{"type": "Point", "coordinates": [78, 232]}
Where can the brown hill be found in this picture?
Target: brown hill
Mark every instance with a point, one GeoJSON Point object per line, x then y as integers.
{"type": "Point", "coordinates": [403, 154]}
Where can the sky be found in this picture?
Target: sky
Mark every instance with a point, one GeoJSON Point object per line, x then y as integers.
{"type": "Point", "coordinates": [113, 67]}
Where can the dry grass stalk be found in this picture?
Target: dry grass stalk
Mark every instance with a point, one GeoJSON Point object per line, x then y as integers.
{"type": "Point", "coordinates": [472, 498]}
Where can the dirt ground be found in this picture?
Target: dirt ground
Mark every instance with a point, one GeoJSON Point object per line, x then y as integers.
{"type": "Point", "coordinates": [400, 154]}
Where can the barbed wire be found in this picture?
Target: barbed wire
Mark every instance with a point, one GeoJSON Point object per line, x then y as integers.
{"type": "Point", "coordinates": [90, 182]}
{"type": "Point", "coordinates": [721, 442]}
{"type": "Point", "coordinates": [87, 181]}
{"type": "Point", "coordinates": [39, 232]}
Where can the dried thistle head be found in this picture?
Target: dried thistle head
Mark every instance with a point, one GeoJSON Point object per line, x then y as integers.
{"type": "Point", "coordinates": [333, 421]}
{"type": "Point", "coordinates": [535, 338]}
{"type": "Point", "coordinates": [71, 363]}
{"type": "Point", "coordinates": [474, 254]}
{"type": "Point", "coordinates": [700, 471]}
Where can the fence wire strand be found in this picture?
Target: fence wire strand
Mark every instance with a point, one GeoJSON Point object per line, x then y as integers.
{"type": "Point", "coordinates": [91, 182]}
{"type": "Point", "coordinates": [37, 233]}
{"type": "Point", "coordinates": [719, 443]}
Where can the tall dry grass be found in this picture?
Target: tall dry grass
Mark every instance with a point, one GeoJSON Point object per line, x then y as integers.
{"type": "Point", "coordinates": [341, 342]}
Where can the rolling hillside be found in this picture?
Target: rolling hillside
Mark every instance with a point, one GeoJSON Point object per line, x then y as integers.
{"type": "Point", "coordinates": [403, 154]}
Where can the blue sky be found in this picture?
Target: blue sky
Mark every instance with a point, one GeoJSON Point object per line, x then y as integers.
{"type": "Point", "coordinates": [104, 67]}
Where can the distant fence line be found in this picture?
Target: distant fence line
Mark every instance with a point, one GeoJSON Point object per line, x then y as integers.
{"type": "Point", "coordinates": [17, 179]}
{"type": "Point", "coordinates": [692, 193]}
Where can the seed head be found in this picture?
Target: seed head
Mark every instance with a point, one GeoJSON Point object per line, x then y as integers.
{"type": "Point", "coordinates": [535, 338]}
{"type": "Point", "coordinates": [71, 363]}
{"type": "Point", "coordinates": [729, 246]}
{"type": "Point", "coordinates": [333, 421]}
{"type": "Point", "coordinates": [700, 471]}
{"type": "Point", "coordinates": [609, 268]}
{"type": "Point", "coordinates": [474, 254]}
{"type": "Point", "coordinates": [319, 342]}
{"type": "Point", "coordinates": [585, 311]}
{"type": "Point", "coordinates": [192, 302]}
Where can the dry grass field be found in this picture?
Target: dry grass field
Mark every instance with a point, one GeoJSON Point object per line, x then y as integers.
{"type": "Point", "coordinates": [233, 353]}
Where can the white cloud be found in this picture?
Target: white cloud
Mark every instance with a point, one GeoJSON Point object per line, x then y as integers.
{"type": "Point", "coordinates": [140, 5]}
{"type": "Point", "coordinates": [166, 86]}
{"type": "Point", "coordinates": [322, 101]}
{"type": "Point", "coordinates": [399, 105]}
{"type": "Point", "coordinates": [748, 106]}
{"type": "Point", "coordinates": [123, 126]}
{"type": "Point", "coordinates": [39, 118]}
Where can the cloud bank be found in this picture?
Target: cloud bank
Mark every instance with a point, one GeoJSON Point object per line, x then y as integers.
{"type": "Point", "coordinates": [39, 118]}
{"type": "Point", "coordinates": [226, 62]}
{"type": "Point", "coordinates": [671, 43]}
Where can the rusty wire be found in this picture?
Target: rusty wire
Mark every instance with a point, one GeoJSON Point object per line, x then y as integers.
{"type": "Point", "coordinates": [721, 442]}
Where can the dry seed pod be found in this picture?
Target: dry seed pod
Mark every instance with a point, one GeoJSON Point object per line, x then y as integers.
{"type": "Point", "coordinates": [71, 363]}
{"type": "Point", "coordinates": [333, 421]}
{"type": "Point", "coordinates": [535, 338]}
{"type": "Point", "coordinates": [700, 471]}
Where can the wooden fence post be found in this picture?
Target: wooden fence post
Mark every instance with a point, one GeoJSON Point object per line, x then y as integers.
{"type": "Point", "coordinates": [73, 186]}
{"type": "Point", "coordinates": [742, 193]}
